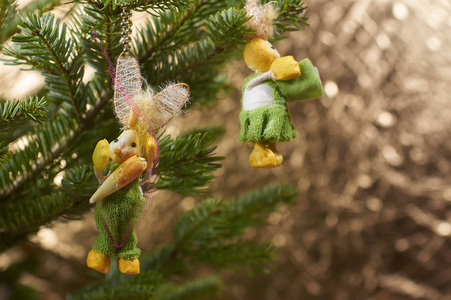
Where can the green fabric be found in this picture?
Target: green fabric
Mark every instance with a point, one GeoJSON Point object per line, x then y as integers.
{"type": "Point", "coordinates": [305, 87]}
{"type": "Point", "coordinates": [273, 123]}
{"type": "Point", "coordinates": [266, 124]}
{"type": "Point", "coordinates": [116, 217]}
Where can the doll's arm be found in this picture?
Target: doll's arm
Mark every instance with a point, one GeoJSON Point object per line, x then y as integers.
{"type": "Point", "coordinates": [285, 68]}
{"type": "Point", "coordinates": [100, 157]}
{"type": "Point", "coordinates": [128, 171]}
{"type": "Point", "coordinates": [307, 86]}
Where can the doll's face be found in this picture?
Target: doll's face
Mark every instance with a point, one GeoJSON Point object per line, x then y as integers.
{"type": "Point", "coordinates": [259, 55]}
{"type": "Point", "coordinates": [124, 147]}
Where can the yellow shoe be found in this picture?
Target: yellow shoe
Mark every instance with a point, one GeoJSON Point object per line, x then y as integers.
{"type": "Point", "coordinates": [128, 266]}
{"type": "Point", "coordinates": [98, 261]}
{"type": "Point", "coordinates": [264, 157]}
{"type": "Point", "coordinates": [279, 157]}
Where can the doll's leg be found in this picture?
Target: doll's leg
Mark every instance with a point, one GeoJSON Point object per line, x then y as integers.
{"type": "Point", "coordinates": [127, 261]}
{"type": "Point", "coordinates": [265, 156]}
{"type": "Point", "coordinates": [98, 258]}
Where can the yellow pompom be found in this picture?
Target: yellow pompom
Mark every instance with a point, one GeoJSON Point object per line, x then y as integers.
{"type": "Point", "coordinates": [101, 155]}
{"type": "Point", "coordinates": [285, 68]}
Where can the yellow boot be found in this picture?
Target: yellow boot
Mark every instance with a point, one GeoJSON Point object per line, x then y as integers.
{"type": "Point", "coordinates": [264, 157]}
{"type": "Point", "coordinates": [279, 157]}
{"type": "Point", "coordinates": [128, 266]}
{"type": "Point", "coordinates": [98, 261]}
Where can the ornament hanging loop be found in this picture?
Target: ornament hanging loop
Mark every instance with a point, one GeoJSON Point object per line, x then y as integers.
{"type": "Point", "coordinates": [126, 25]}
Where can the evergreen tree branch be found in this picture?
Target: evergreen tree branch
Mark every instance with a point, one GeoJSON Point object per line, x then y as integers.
{"type": "Point", "coordinates": [144, 5]}
{"type": "Point", "coordinates": [78, 185]}
{"type": "Point", "coordinates": [14, 112]}
{"type": "Point", "coordinates": [139, 5]}
{"type": "Point", "coordinates": [194, 220]}
{"type": "Point", "coordinates": [289, 15]}
{"type": "Point", "coordinates": [12, 16]}
{"type": "Point", "coordinates": [44, 46]}
{"type": "Point", "coordinates": [51, 139]}
{"type": "Point", "coordinates": [213, 224]}
{"type": "Point", "coordinates": [238, 256]}
{"type": "Point", "coordinates": [210, 226]}
{"type": "Point", "coordinates": [4, 154]}
{"type": "Point", "coordinates": [27, 216]}
{"type": "Point", "coordinates": [185, 163]}
{"type": "Point", "coordinates": [7, 10]}
{"type": "Point", "coordinates": [106, 24]}
{"type": "Point", "coordinates": [204, 288]}
{"type": "Point", "coordinates": [173, 29]}
{"type": "Point", "coordinates": [202, 56]}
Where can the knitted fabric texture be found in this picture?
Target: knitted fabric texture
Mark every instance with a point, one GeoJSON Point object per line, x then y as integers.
{"type": "Point", "coordinates": [267, 123]}
{"type": "Point", "coordinates": [116, 217]}
{"type": "Point", "coordinates": [305, 87]}
{"type": "Point", "coordinates": [272, 123]}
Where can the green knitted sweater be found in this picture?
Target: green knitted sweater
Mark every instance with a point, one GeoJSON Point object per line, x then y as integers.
{"type": "Point", "coordinates": [116, 217]}
{"type": "Point", "coordinates": [272, 122]}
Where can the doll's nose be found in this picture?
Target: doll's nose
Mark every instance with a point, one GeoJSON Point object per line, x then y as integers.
{"type": "Point", "coordinates": [122, 144]}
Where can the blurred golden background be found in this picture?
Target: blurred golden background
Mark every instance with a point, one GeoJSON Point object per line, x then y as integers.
{"type": "Point", "coordinates": [372, 164]}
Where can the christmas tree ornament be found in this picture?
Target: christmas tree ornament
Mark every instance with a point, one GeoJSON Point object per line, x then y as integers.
{"type": "Point", "coordinates": [124, 195]}
{"type": "Point", "coordinates": [265, 118]}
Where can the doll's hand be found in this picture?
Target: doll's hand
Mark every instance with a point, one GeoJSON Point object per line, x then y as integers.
{"type": "Point", "coordinates": [101, 155]}
{"type": "Point", "coordinates": [285, 68]}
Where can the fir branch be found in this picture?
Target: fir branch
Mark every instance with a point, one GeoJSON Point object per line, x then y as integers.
{"type": "Point", "coordinates": [14, 112]}
{"type": "Point", "coordinates": [204, 288]}
{"type": "Point", "coordinates": [78, 184]}
{"type": "Point", "coordinates": [209, 227]}
{"type": "Point", "coordinates": [252, 208]}
{"type": "Point", "coordinates": [44, 46]}
{"type": "Point", "coordinates": [172, 29]}
{"type": "Point", "coordinates": [144, 5]}
{"type": "Point", "coordinates": [7, 11]}
{"type": "Point", "coordinates": [139, 5]}
{"type": "Point", "coordinates": [199, 57]}
{"type": "Point", "coordinates": [192, 222]}
{"type": "Point", "coordinates": [51, 139]}
{"type": "Point", "coordinates": [43, 146]}
{"type": "Point", "coordinates": [238, 256]}
{"type": "Point", "coordinates": [122, 287]}
{"type": "Point", "coordinates": [232, 217]}
{"type": "Point", "coordinates": [25, 217]}
{"type": "Point", "coordinates": [213, 224]}
{"type": "Point", "coordinates": [228, 26]}
{"type": "Point", "coordinates": [4, 153]}
{"type": "Point", "coordinates": [106, 24]}
{"type": "Point", "coordinates": [10, 26]}
{"type": "Point", "coordinates": [185, 163]}
{"type": "Point", "coordinates": [289, 15]}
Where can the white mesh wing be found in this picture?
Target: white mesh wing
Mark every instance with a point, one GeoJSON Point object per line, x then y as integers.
{"type": "Point", "coordinates": [168, 104]}
{"type": "Point", "coordinates": [127, 86]}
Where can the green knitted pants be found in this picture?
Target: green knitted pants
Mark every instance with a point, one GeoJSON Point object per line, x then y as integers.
{"type": "Point", "coordinates": [116, 217]}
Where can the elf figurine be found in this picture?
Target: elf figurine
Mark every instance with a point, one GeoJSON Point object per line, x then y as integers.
{"type": "Point", "coordinates": [119, 198]}
{"type": "Point", "coordinates": [265, 118]}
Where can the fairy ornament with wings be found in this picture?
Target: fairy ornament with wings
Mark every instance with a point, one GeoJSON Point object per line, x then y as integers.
{"type": "Point", "coordinates": [124, 193]}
